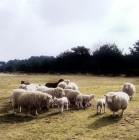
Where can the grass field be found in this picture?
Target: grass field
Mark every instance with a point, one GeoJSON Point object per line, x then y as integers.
{"type": "Point", "coordinates": [74, 124]}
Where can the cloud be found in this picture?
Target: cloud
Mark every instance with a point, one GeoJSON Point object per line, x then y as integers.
{"type": "Point", "coordinates": [49, 27]}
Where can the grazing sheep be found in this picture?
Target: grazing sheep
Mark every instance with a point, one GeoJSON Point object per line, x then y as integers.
{"type": "Point", "coordinates": [30, 87]}
{"type": "Point", "coordinates": [53, 85]}
{"type": "Point", "coordinates": [129, 88]}
{"type": "Point", "coordinates": [101, 103]}
{"type": "Point", "coordinates": [25, 82]}
{"type": "Point", "coordinates": [71, 95]}
{"type": "Point", "coordinates": [61, 102]}
{"type": "Point", "coordinates": [55, 92]}
{"type": "Point", "coordinates": [72, 85]}
{"type": "Point", "coordinates": [34, 99]}
{"type": "Point", "coordinates": [83, 98]}
{"type": "Point", "coordinates": [116, 101]}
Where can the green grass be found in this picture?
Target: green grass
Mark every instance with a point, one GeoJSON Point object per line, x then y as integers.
{"type": "Point", "coordinates": [74, 124]}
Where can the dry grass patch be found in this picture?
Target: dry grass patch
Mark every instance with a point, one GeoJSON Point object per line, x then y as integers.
{"type": "Point", "coordinates": [82, 124]}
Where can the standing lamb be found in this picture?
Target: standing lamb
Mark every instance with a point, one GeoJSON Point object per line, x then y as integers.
{"type": "Point", "coordinates": [54, 92]}
{"type": "Point", "coordinates": [71, 95]}
{"type": "Point", "coordinates": [34, 99]}
{"type": "Point", "coordinates": [83, 98]}
{"type": "Point", "coordinates": [129, 88]}
{"type": "Point", "coordinates": [116, 101]}
{"type": "Point", "coordinates": [101, 103]}
{"type": "Point", "coordinates": [53, 85]}
{"type": "Point", "coordinates": [61, 102]}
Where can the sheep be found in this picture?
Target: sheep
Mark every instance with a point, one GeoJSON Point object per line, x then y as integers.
{"type": "Point", "coordinates": [129, 88]}
{"type": "Point", "coordinates": [72, 85]}
{"type": "Point", "coordinates": [25, 82]}
{"type": "Point", "coordinates": [30, 87]}
{"type": "Point", "coordinates": [53, 85]}
{"type": "Point", "coordinates": [34, 99]}
{"type": "Point", "coordinates": [61, 102]}
{"type": "Point", "coordinates": [83, 98]}
{"type": "Point", "coordinates": [63, 84]}
{"type": "Point", "coordinates": [15, 95]}
{"type": "Point", "coordinates": [55, 92]}
{"type": "Point", "coordinates": [116, 101]}
{"type": "Point", "coordinates": [101, 103]}
{"type": "Point", "coordinates": [71, 95]}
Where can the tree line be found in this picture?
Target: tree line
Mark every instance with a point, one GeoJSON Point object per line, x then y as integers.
{"type": "Point", "coordinates": [108, 59]}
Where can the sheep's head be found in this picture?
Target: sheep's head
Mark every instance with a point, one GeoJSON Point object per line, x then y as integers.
{"type": "Point", "coordinates": [128, 87]}
{"type": "Point", "coordinates": [109, 97]}
{"type": "Point", "coordinates": [92, 96]}
{"type": "Point", "coordinates": [60, 91]}
{"type": "Point", "coordinates": [23, 86]}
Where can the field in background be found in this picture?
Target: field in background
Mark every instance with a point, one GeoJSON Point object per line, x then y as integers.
{"type": "Point", "coordinates": [77, 124]}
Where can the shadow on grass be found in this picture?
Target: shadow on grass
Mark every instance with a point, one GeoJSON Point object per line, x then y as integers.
{"type": "Point", "coordinates": [103, 121]}
{"type": "Point", "coordinates": [6, 107]}
{"type": "Point", "coordinates": [12, 118]}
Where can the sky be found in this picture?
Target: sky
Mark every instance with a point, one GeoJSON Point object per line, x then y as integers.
{"type": "Point", "coordinates": [50, 27]}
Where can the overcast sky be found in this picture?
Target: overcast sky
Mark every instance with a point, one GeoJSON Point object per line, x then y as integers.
{"type": "Point", "coordinates": [49, 27]}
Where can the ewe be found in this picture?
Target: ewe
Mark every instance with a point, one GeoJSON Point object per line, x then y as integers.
{"type": "Point", "coordinates": [116, 101]}
{"type": "Point", "coordinates": [129, 88]}
{"type": "Point", "coordinates": [53, 85]}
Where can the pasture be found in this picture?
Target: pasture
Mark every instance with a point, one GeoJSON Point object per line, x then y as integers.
{"type": "Point", "coordinates": [74, 124]}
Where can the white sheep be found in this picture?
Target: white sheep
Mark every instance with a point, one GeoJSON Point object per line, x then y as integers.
{"type": "Point", "coordinates": [34, 99]}
{"type": "Point", "coordinates": [63, 84]}
{"type": "Point", "coordinates": [116, 101]}
{"type": "Point", "coordinates": [15, 96]}
{"type": "Point", "coordinates": [83, 98]}
{"type": "Point", "coordinates": [100, 104]}
{"type": "Point", "coordinates": [30, 87]}
{"type": "Point", "coordinates": [71, 95]}
{"type": "Point", "coordinates": [54, 92]}
{"type": "Point", "coordinates": [61, 102]}
{"type": "Point", "coordinates": [72, 85]}
{"type": "Point", "coordinates": [129, 88]}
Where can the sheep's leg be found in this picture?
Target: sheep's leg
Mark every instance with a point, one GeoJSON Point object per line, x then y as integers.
{"type": "Point", "coordinates": [67, 106]}
{"type": "Point", "coordinates": [14, 110]}
{"type": "Point", "coordinates": [62, 108]}
{"type": "Point", "coordinates": [19, 109]}
{"type": "Point", "coordinates": [104, 109]}
{"type": "Point", "coordinates": [97, 109]}
{"type": "Point", "coordinates": [81, 104]}
{"type": "Point", "coordinates": [122, 112]}
{"type": "Point", "coordinates": [100, 110]}
{"type": "Point", "coordinates": [28, 112]}
{"type": "Point", "coordinates": [36, 112]}
{"type": "Point", "coordinates": [113, 114]}
{"type": "Point", "coordinates": [58, 108]}
{"type": "Point", "coordinates": [77, 104]}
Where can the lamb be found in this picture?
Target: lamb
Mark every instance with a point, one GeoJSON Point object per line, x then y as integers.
{"type": "Point", "coordinates": [71, 95]}
{"type": "Point", "coordinates": [83, 98]}
{"type": "Point", "coordinates": [53, 85]}
{"type": "Point", "coordinates": [30, 87]}
{"type": "Point", "coordinates": [61, 102]}
{"type": "Point", "coordinates": [72, 85]}
{"type": "Point", "coordinates": [54, 92]}
{"type": "Point", "coordinates": [34, 99]}
{"type": "Point", "coordinates": [117, 101]}
{"type": "Point", "coordinates": [129, 88]}
{"type": "Point", "coordinates": [101, 103]}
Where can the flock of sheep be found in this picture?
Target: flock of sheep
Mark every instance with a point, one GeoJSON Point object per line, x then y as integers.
{"type": "Point", "coordinates": [63, 93]}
